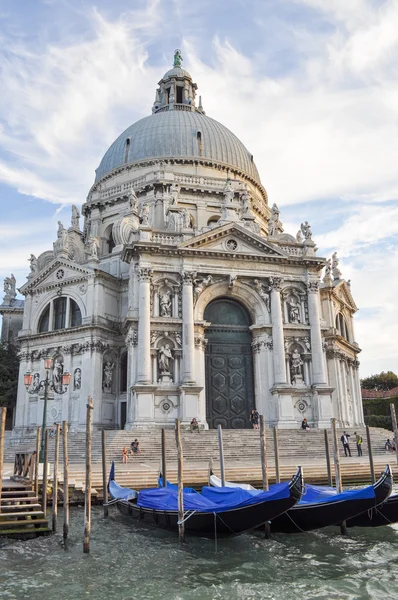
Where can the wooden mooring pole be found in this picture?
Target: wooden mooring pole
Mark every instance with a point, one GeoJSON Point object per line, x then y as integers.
{"type": "Point", "coordinates": [36, 484]}
{"type": "Point", "coordinates": [104, 477]}
{"type": "Point", "coordinates": [45, 475]}
{"type": "Point", "coordinates": [263, 454]}
{"type": "Point", "coordinates": [276, 454]}
{"type": "Point", "coordinates": [337, 469]}
{"type": "Point", "coordinates": [370, 451]}
{"type": "Point", "coordinates": [55, 482]}
{"type": "Point", "coordinates": [329, 470]}
{"type": "Point", "coordinates": [180, 478]}
{"type": "Point", "coordinates": [394, 427]}
{"type": "Point", "coordinates": [210, 471]}
{"type": "Point", "coordinates": [3, 413]}
{"type": "Point", "coordinates": [65, 428]}
{"type": "Point", "coordinates": [221, 451]}
{"type": "Point", "coordinates": [164, 461]}
{"type": "Point", "coordinates": [87, 495]}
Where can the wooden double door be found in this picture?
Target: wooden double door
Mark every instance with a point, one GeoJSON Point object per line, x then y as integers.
{"type": "Point", "coordinates": [229, 365]}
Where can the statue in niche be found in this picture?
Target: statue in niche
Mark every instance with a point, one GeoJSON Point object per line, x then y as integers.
{"type": "Point", "coordinates": [200, 285]}
{"type": "Point", "coordinates": [299, 237]}
{"type": "Point", "coordinates": [133, 200]}
{"type": "Point", "coordinates": [10, 286]}
{"type": "Point", "coordinates": [178, 339]}
{"type": "Point", "coordinates": [263, 293]}
{"type": "Point", "coordinates": [306, 230]}
{"type": "Point", "coordinates": [108, 376]}
{"type": "Point", "coordinates": [77, 379]}
{"type": "Point", "coordinates": [75, 217]}
{"type": "Point", "coordinates": [293, 309]}
{"type": "Point", "coordinates": [145, 215]}
{"type": "Point", "coordinates": [186, 219]}
{"type": "Point", "coordinates": [164, 358]}
{"type": "Point", "coordinates": [58, 369]}
{"type": "Point", "coordinates": [174, 191]}
{"type": "Point", "coordinates": [175, 221]}
{"type": "Point", "coordinates": [94, 247]}
{"type": "Point", "coordinates": [165, 303]}
{"type": "Point", "coordinates": [36, 382]}
{"type": "Point", "coordinates": [335, 266]}
{"type": "Point", "coordinates": [34, 267]}
{"type": "Point", "coordinates": [274, 223]}
{"type": "Point", "coordinates": [296, 365]}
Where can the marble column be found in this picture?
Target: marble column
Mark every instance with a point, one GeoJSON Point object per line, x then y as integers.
{"type": "Point", "coordinates": [318, 371]}
{"type": "Point", "coordinates": [144, 370]}
{"type": "Point", "coordinates": [277, 331]}
{"type": "Point", "coordinates": [188, 338]}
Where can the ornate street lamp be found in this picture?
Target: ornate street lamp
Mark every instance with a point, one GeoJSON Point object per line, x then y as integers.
{"type": "Point", "coordinates": [46, 384]}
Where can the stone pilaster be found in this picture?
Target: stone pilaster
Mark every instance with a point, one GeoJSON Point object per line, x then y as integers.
{"type": "Point", "coordinates": [144, 375]}
{"type": "Point", "coordinates": [277, 332]}
{"type": "Point", "coordinates": [188, 334]}
{"type": "Point", "coordinates": [318, 372]}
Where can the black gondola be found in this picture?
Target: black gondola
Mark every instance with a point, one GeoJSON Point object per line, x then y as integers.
{"type": "Point", "coordinates": [321, 506]}
{"type": "Point", "coordinates": [384, 514]}
{"type": "Point", "coordinates": [202, 516]}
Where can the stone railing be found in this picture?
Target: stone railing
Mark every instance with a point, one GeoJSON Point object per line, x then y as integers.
{"type": "Point", "coordinates": [166, 239]}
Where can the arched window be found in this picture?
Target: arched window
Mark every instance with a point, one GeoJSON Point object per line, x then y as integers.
{"type": "Point", "coordinates": [213, 220]}
{"type": "Point", "coordinates": [111, 242]}
{"type": "Point", "coordinates": [126, 150]}
{"type": "Point", "coordinates": [60, 313]}
{"type": "Point", "coordinates": [341, 327]}
{"type": "Point", "coordinates": [123, 373]}
{"type": "Point", "coordinates": [200, 143]}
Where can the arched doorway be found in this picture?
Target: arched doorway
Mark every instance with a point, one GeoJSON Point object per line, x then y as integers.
{"type": "Point", "coordinates": [229, 365]}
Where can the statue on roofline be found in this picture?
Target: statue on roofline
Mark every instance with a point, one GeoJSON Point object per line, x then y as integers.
{"type": "Point", "coordinates": [177, 58]}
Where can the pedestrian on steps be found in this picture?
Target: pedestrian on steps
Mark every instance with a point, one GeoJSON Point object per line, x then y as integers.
{"type": "Point", "coordinates": [358, 439]}
{"type": "Point", "coordinates": [346, 445]}
{"type": "Point", "coordinates": [254, 417]}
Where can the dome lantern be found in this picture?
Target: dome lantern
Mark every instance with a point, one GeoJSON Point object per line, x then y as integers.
{"type": "Point", "coordinates": [176, 90]}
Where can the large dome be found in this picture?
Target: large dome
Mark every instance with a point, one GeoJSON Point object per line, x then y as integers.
{"type": "Point", "coordinates": [178, 134]}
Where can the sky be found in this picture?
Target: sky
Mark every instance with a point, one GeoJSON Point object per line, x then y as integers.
{"type": "Point", "coordinates": [309, 86]}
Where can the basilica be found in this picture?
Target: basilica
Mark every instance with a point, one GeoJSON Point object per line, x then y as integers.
{"type": "Point", "coordinates": [176, 292]}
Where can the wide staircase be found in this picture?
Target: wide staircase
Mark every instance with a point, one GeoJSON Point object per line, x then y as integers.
{"type": "Point", "coordinates": [21, 514]}
{"type": "Point", "coordinates": [241, 455]}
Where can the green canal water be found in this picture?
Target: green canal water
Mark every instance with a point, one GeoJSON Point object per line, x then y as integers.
{"type": "Point", "coordinates": [128, 562]}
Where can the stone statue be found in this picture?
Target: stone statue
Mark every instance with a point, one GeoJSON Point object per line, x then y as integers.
{"type": "Point", "coordinates": [58, 369]}
{"type": "Point", "coordinates": [299, 237]}
{"type": "Point", "coordinates": [245, 200]}
{"type": "Point", "coordinates": [296, 364]}
{"type": "Point", "coordinates": [232, 280]}
{"type": "Point", "coordinates": [108, 376]}
{"type": "Point", "coordinates": [36, 382]}
{"type": "Point", "coordinates": [145, 215]}
{"type": "Point", "coordinates": [165, 304]}
{"type": "Point", "coordinates": [10, 287]}
{"type": "Point", "coordinates": [34, 267]}
{"type": "Point", "coordinates": [75, 217]}
{"type": "Point", "coordinates": [229, 192]}
{"type": "Point", "coordinates": [174, 191]}
{"type": "Point", "coordinates": [77, 379]}
{"type": "Point", "coordinates": [178, 339]}
{"type": "Point", "coordinates": [133, 200]}
{"type": "Point", "coordinates": [335, 267]}
{"type": "Point", "coordinates": [306, 230]}
{"type": "Point", "coordinates": [262, 292]}
{"type": "Point", "coordinates": [328, 271]}
{"type": "Point", "coordinates": [274, 223]}
{"type": "Point", "coordinates": [164, 358]}
{"type": "Point", "coordinates": [293, 309]}
{"type": "Point", "coordinates": [186, 219]}
{"type": "Point", "coordinates": [177, 58]}
{"type": "Point", "coordinates": [94, 247]}
{"type": "Point", "coordinates": [61, 245]}
{"type": "Point", "coordinates": [200, 285]}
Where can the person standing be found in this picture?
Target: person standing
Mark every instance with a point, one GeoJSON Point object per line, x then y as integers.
{"type": "Point", "coordinates": [346, 445]}
{"type": "Point", "coordinates": [254, 417]}
{"type": "Point", "coordinates": [358, 440]}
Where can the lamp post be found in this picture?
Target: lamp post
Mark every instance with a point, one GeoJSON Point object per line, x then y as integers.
{"type": "Point", "coordinates": [46, 384]}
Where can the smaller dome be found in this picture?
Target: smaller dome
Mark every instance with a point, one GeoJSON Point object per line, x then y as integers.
{"type": "Point", "coordinates": [286, 237]}
{"type": "Point", "coordinates": [176, 72]}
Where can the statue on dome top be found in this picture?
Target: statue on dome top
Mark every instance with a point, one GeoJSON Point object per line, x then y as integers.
{"type": "Point", "coordinates": [177, 58]}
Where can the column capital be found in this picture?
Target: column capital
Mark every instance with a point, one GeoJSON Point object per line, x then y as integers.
{"type": "Point", "coordinates": [313, 287]}
{"type": "Point", "coordinates": [131, 337]}
{"type": "Point", "coordinates": [188, 277]}
{"type": "Point", "coordinates": [275, 283]}
{"type": "Point", "coordinates": [145, 274]}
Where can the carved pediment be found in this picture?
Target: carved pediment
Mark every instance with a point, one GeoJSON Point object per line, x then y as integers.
{"type": "Point", "coordinates": [57, 273]}
{"type": "Point", "coordinates": [342, 294]}
{"type": "Point", "coordinates": [233, 239]}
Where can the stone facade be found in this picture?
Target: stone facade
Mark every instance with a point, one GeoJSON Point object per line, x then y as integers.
{"type": "Point", "coordinates": [121, 304]}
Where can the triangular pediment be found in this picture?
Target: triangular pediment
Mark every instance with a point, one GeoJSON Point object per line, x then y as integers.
{"type": "Point", "coordinates": [342, 292]}
{"type": "Point", "coordinates": [232, 239]}
{"type": "Point", "coordinates": [58, 272]}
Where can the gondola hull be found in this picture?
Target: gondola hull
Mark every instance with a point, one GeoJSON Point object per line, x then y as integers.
{"type": "Point", "coordinates": [210, 524]}
{"type": "Point", "coordinates": [384, 514]}
{"type": "Point", "coordinates": [307, 517]}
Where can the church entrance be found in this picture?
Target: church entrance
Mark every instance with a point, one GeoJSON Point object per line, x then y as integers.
{"type": "Point", "coordinates": [229, 365]}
